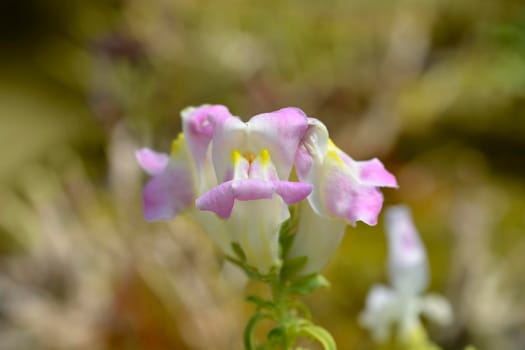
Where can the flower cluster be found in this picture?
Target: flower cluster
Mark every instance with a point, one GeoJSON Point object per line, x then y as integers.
{"type": "Point", "coordinates": [408, 274]}
{"type": "Point", "coordinates": [238, 179]}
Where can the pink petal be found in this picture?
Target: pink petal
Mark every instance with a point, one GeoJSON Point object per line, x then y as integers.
{"type": "Point", "coordinates": [408, 267]}
{"type": "Point", "coordinates": [167, 194]}
{"type": "Point", "coordinates": [292, 192]}
{"type": "Point", "coordinates": [280, 132]}
{"type": "Point", "coordinates": [221, 198]}
{"type": "Point", "coordinates": [198, 129]}
{"type": "Point", "coordinates": [218, 200]}
{"type": "Point", "coordinates": [152, 162]}
{"type": "Point", "coordinates": [343, 187]}
{"type": "Point", "coordinates": [346, 198]}
{"type": "Point", "coordinates": [303, 163]}
{"type": "Point", "coordinates": [373, 173]}
{"type": "Point", "coordinates": [252, 189]}
{"type": "Point", "coordinates": [402, 231]}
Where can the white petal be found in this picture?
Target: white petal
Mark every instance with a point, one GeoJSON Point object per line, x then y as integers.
{"type": "Point", "coordinates": [234, 276]}
{"type": "Point", "coordinates": [309, 160]}
{"type": "Point", "coordinates": [317, 238]}
{"type": "Point", "coordinates": [228, 135]}
{"type": "Point", "coordinates": [380, 312]}
{"type": "Point", "coordinates": [255, 226]}
{"type": "Point", "coordinates": [216, 228]}
{"type": "Point", "coordinates": [436, 308]}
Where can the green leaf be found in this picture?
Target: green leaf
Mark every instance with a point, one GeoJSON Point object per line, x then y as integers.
{"type": "Point", "coordinates": [307, 284]}
{"type": "Point", "coordinates": [277, 336]}
{"type": "Point", "coordinates": [291, 267]}
{"type": "Point", "coordinates": [238, 251]}
{"type": "Point", "coordinates": [319, 334]}
{"type": "Point", "coordinates": [261, 303]}
{"type": "Point", "coordinates": [235, 262]}
{"type": "Point", "coordinates": [249, 271]}
{"type": "Point", "coordinates": [301, 307]}
{"type": "Point", "coordinates": [287, 232]}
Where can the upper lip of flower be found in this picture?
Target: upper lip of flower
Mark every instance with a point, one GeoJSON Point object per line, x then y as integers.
{"type": "Point", "coordinates": [278, 132]}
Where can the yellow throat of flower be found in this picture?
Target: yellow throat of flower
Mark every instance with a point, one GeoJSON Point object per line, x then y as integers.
{"type": "Point", "coordinates": [177, 144]}
{"type": "Point", "coordinates": [264, 156]}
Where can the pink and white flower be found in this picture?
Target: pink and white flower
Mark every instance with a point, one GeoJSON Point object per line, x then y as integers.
{"type": "Point", "coordinates": [235, 178]}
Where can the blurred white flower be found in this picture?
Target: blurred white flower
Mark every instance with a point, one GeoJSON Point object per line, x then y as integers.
{"type": "Point", "coordinates": [402, 304]}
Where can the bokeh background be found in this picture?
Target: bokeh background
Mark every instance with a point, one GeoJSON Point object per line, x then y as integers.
{"type": "Point", "coordinates": [435, 88]}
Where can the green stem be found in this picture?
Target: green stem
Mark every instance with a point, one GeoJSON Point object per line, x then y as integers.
{"type": "Point", "coordinates": [282, 312]}
{"type": "Point", "coordinates": [250, 328]}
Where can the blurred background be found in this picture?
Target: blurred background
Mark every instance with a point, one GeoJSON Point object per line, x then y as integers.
{"type": "Point", "coordinates": [435, 88]}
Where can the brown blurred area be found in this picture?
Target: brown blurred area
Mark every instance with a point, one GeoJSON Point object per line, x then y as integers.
{"type": "Point", "coordinates": [436, 89]}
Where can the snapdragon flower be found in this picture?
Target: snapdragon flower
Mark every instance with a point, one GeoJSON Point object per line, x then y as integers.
{"type": "Point", "coordinates": [237, 180]}
{"type": "Point", "coordinates": [403, 303]}
{"type": "Point", "coordinates": [345, 191]}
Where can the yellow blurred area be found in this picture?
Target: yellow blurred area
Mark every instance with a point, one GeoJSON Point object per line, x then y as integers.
{"type": "Point", "coordinates": [435, 88]}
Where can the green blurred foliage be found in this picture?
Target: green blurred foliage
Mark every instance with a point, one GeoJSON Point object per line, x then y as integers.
{"type": "Point", "coordinates": [433, 87]}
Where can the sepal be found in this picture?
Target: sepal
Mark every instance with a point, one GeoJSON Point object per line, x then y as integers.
{"type": "Point", "coordinates": [307, 284]}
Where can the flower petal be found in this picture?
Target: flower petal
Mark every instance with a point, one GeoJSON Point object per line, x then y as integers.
{"type": "Point", "coordinates": [216, 228]}
{"type": "Point", "coordinates": [152, 162]}
{"type": "Point", "coordinates": [344, 197]}
{"type": "Point", "coordinates": [256, 225]}
{"type": "Point", "coordinates": [343, 187]}
{"type": "Point", "coordinates": [373, 173]}
{"type": "Point", "coordinates": [408, 267]}
{"type": "Point", "coordinates": [220, 199]}
{"type": "Point", "coordinates": [317, 238]}
{"type": "Point", "coordinates": [252, 189]}
{"type": "Point", "coordinates": [312, 150]}
{"type": "Point", "coordinates": [437, 309]}
{"type": "Point", "coordinates": [229, 135]}
{"type": "Point", "coordinates": [168, 193]}
{"type": "Point", "coordinates": [234, 277]}
{"type": "Point", "coordinates": [292, 192]}
{"type": "Point", "coordinates": [380, 312]}
{"type": "Point", "coordinates": [280, 132]}
{"type": "Point", "coordinates": [198, 129]}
